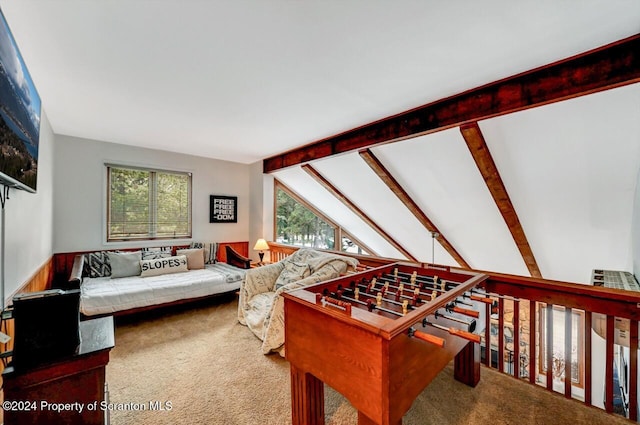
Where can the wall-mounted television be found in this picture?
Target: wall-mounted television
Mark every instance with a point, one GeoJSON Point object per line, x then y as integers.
{"type": "Point", "coordinates": [19, 117]}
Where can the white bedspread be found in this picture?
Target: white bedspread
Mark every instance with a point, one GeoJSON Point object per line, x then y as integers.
{"type": "Point", "coordinates": [105, 295]}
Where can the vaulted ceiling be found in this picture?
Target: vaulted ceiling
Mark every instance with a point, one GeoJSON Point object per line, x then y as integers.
{"type": "Point", "coordinates": [248, 80]}
{"type": "Point", "coordinates": [570, 171]}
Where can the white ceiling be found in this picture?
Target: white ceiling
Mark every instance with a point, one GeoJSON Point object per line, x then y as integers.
{"type": "Point", "coordinates": [243, 80]}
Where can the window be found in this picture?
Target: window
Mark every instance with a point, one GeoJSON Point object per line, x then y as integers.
{"type": "Point", "coordinates": [298, 225]}
{"type": "Point", "coordinates": [349, 245]}
{"type": "Point", "coordinates": [147, 204]}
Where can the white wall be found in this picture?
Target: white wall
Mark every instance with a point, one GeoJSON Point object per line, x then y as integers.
{"type": "Point", "coordinates": [256, 206]}
{"type": "Point", "coordinates": [28, 220]}
{"type": "Point", "coordinates": [635, 231]}
{"type": "Point", "coordinates": [80, 192]}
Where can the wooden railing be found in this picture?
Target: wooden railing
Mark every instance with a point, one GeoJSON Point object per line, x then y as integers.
{"type": "Point", "coordinates": [548, 326]}
{"type": "Point", "coordinates": [542, 331]}
{"type": "Point", "coordinates": [278, 252]}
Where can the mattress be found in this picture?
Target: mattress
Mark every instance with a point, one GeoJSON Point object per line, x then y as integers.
{"type": "Point", "coordinates": [105, 295]}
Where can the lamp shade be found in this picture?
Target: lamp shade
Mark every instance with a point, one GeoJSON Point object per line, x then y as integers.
{"type": "Point", "coordinates": [261, 245]}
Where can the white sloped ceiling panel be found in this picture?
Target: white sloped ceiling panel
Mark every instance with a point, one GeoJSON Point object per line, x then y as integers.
{"type": "Point", "coordinates": [359, 183]}
{"type": "Point", "coordinates": [570, 169]}
{"type": "Point", "coordinates": [304, 185]}
{"type": "Point", "coordinates": [439, 173]}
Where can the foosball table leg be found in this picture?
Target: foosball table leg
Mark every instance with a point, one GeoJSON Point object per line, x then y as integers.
{"type": "Point", "coordinates": [467, 365]}
{"type": "Point", "coordinates": [307, 398]}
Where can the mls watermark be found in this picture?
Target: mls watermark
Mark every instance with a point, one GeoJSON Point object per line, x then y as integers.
{"type": "Point", "coordinates": [46, 406]}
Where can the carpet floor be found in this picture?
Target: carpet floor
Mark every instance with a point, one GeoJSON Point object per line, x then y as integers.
{"type": "Point", "coordinates": [200, 366]}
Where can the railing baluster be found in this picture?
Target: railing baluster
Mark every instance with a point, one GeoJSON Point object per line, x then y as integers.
{"type": "Point", "coordinates": [608, 370]}
{"type": "Point", "coordinates": [549, 332]}
{"type": "Point", "coordinates": [633, 370]}
{"type": "Point", "coordinates": [501, 334]}
{"type": "Point", "coordinates": [587, 358]}
{"type": "Point", "coordinates": [516, 339]}
{"type": "Point", "coordinates": [487, 336]}
{"type": "Point", "coordinates": [533, 317]}
{"type": "Point", "coordinates": [568, 342]}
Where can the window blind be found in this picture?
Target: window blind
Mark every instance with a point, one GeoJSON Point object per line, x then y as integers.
{"type": "Point", "coordinates": [148, 204]}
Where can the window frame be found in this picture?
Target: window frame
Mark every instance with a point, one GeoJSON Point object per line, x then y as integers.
{"type": "Point", "coordinates": [153, 203]}
{"type": "Point", "coordinates": [338, 230]}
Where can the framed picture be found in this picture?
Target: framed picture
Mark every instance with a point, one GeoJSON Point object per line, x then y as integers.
{"type": "Point", "coordinates": [223, 209]}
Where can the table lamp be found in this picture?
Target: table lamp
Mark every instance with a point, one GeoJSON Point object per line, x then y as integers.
{"type": "Point", "coordinates": [261, 245]}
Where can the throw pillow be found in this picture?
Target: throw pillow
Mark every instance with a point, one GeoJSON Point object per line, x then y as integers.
{"type": "Point", "coordinates": [195, 257]}
{"type": "Point", "coordinates": [210, 251]}
{"type": "Point", "coordinates": [292, 272]}
{"type": "Point", "coordinates": [154, 253]}
{"type": "Point", "coordinates": [96, 264]}
{"type": "Point", "coordinates": [155, 267]}
{"type": "Point", "coordinates": [124, 264]}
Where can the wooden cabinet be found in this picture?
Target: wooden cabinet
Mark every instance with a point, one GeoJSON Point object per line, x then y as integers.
{"type": "Point", "coordinates": [67, 391]}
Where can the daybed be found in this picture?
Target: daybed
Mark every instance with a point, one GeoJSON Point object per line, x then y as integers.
{"type": "Point", "coordinates": [118, 282]}
{"type": "Point", "coordinates": [261, 306]}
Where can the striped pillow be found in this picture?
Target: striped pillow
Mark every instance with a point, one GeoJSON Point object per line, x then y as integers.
{"type": "Point", "coordinates": [155, 253]}
{"type": "Point", "coordinates": [210, 251]}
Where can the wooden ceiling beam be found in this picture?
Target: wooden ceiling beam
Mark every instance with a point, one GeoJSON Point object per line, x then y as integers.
{"type": "Point", "coordinates": [395, 187]}
{"type": "Point", "coordinates": [614, 65]}
{"type": "Point", "coordinates": [354, 208]}
{"type": "Point", "coordinates": [480, 152]}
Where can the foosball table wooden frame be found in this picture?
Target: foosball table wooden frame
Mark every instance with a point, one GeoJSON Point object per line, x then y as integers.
{"type": "Point", "coordinates": [367, 347]}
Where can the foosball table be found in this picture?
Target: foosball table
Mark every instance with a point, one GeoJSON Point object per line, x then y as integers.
{"type": "Point", "coordinates": [379, 337]}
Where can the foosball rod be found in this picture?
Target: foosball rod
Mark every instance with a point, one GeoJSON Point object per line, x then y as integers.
{"type": "Point", "coordinates": [334, 302]}
{"type": "Point", "coordinates": [453, 331]}
{"type": "Point", "coordinates": [399, 273]}
{"type": "Point", "coordinates": [459, 301]}
{"type": "Point", "coordinates": [485, 300]}
{"type": "Point", "coordinates": [409, 289]}
{"type": "Point", "coordinates": [426, 279]}
{"type": "Point", "coordinates": [361, 285]}
{"type": "Point", "coordinates": [389, 278]}
{"type": "Point", "coordinates": [371, 305]}
{"type": "Point", "coordinates": [411, 286]}
{"type": "Point", "coordinates": [426, 337]}
{"type": "Point", "coordinates": [432, 286]}
{"type": "Point", "coordinates": [504, 297]}
{"type": "Point", "coordinates": [422, 283]}
{"type": "Point", "coordinates": [471, 324]}
{"type": "Point", "coordinates": [361, 293]}
{"type": "Point", "coordinates": [452, 308]}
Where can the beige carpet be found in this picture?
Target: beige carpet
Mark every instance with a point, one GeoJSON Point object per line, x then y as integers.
{"type": "Point", "coordinates": [209, 368]}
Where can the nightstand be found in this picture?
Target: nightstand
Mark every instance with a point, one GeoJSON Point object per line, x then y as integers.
{"type": "Point", "coordinates": [256, 265]}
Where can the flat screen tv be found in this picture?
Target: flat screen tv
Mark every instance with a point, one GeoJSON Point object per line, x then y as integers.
{"type": "Point", "coordinates": [19, 117]}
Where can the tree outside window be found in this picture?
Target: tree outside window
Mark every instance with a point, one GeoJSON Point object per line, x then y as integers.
{"type": "Point", "coordinates": [147, 204]}
{"type": "Point", "coordinates": [298, 225]}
